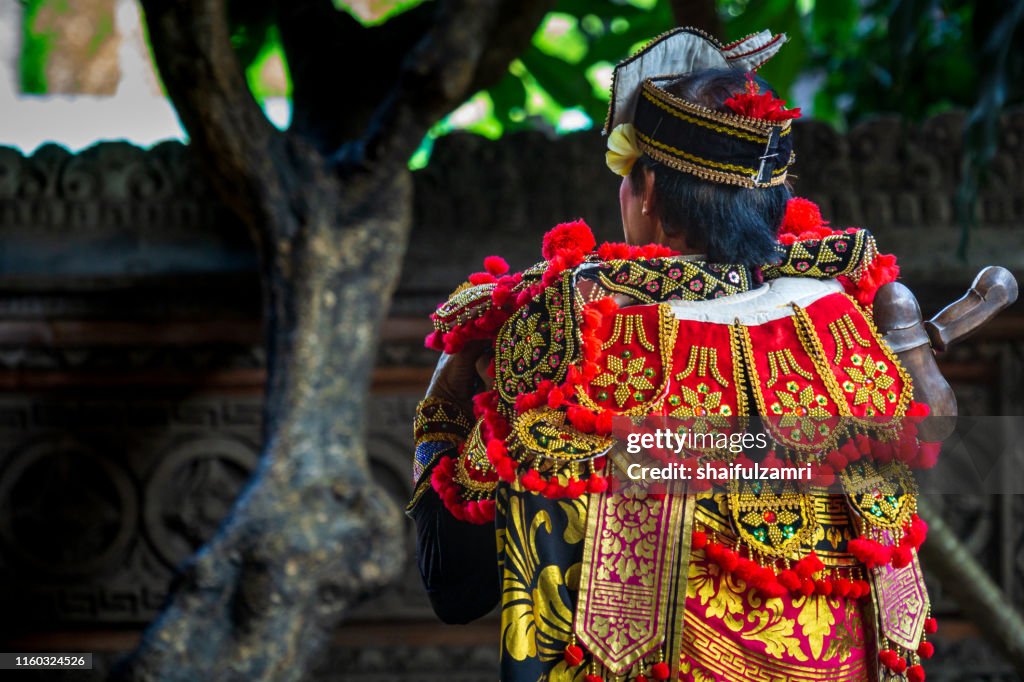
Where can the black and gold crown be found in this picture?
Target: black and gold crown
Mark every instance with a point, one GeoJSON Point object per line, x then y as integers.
{"type": "Point", "coordinates": [750, 146]}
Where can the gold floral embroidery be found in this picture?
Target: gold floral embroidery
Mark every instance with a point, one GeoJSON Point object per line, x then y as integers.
{"type": "Point", "coordinates": [576, 515]}
{"type": "Point", "coordinates": [704, 406]}
{"type": "Point", "coordinates": [772, 629]}
{"type": "Point", "coordinates": [628, 544]}
{"type": "Point", "coordinates": [816, 620]}
{"type": "Point", "coordinates": [801, 408]}
{"type": "Point", "coordinates": [705, 583]}
{"type": "Point", "coordinates": [869, 383]}
{"type": "Point", "coordinates": [530, 340]}
{"type": "Point", "coordinates": [536, 620]}
{"type": "Point", "coordinates": [626, 373]}
{"type": "Point", "coordinates": [847, 635]}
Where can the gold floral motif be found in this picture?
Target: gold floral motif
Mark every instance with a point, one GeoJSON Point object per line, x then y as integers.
{"type": "Point", "coordinates": [617, 631]}
{"type": "Point", "coordinates": [822, 636]}
{"type": "Point", "coordinates": [625, 373]}
{"type": "Point", "coordinates": [530, 339]}
{"type": "Point", "coordinates": [727, 599]}
{"type": "Point", "coordinates": [816, 620]}
{"type": "Point", "coordinates": [629, 539]}
{"type": "Point", "coordinates": [536, 620]}
{"type": "Point", "coordinates": [869, 383]}
{"type": "Point", "coordinates": [704, 406]}
{"type": "Point", "coordinates": [801, 408]}
{"type": "Point", "coordinates": [772, 629]}
{"type": "Point", "coordinates": [847, 634]}
{"type": "Point", "coordinates": [576, 519]}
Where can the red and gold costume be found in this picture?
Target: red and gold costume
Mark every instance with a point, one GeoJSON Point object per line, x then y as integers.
{"type": "Point", "coordinates": [600, 581]}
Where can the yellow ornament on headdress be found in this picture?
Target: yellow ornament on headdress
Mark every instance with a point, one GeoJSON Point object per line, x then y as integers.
{"type": "Point", "coordinates": [622, 149]}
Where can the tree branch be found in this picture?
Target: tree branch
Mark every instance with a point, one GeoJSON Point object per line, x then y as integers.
{"type": "Point", "coordinates": [192, 48]}
{"type": "Point", "coordinates": [452, 61]}
{"type": "Point", "coordinates": [327, 51]}
{"type": "Point", "coordinates": [700, 14]}
{"type": "Point", "coordinates": [511, 35]}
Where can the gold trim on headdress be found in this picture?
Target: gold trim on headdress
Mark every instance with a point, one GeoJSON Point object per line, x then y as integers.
{"type": "Point", "coordinates": [725, 147]}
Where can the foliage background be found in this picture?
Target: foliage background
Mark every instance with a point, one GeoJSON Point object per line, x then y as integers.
{"type": "Point", "coordinates": [846, 60]}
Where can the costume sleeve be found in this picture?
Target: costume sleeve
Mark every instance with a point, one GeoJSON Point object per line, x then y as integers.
{"type": "Point", "coordinates": [457, 560]}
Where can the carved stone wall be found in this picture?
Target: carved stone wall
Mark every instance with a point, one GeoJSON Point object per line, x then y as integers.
{"type": "Point", "coordinates": [131, 367]}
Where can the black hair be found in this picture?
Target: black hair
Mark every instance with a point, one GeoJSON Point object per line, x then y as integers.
{"type": "Point", "coordinates": [731, 224]}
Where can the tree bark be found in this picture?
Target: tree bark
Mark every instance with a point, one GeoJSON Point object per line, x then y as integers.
{"type": "Point", "coordinates": [312, 535]}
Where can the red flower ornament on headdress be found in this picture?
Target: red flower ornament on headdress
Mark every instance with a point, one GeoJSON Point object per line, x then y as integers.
{"type": "Point", "coordinates": [761, 105]}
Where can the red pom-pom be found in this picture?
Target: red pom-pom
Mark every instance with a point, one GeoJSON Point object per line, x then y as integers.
{"type": "Point", "coordinates": [801, 215]}
{"type": "Point", "coordinates": [532, 480]}
{"type": "Point", "coordinates": [807, 587]}
{"type": "Point", "coordinates": [901, 556]}
{"type": "Point", "coordinates": [581, 418]}
{"type": "Point", "coordinates": [808, 566]}
{"type": "Point", "coordinates": [575, 488]}
{"type": "Point", "coordinates": [553, 490]}
{"type": "Point", "coordinates": [926, 650]}
{"type": "Point", "coordinates": [570, 240]}
{"type": "Point", "coordinates": [640, 678]}
{"type": "Point", "coordinates": [745, 570]}
{"type": "Point", "coordinates": [597, 484]}
{"type": "Point", "coordinates": [887, 657]}
{"type": "Point", "coordinates": [882, 270]}
{"type": "Point", "coordinates": [763, 105]}
{"type": "Point", "coordinates": [660, 671]}
{"type": "Point", "coordinates": [772, 590]}
{"type": "Point", "coordinates": [434, 341]}
{"type": "Point", "coordinates": [700, 539]}
{"type": "Point", "coordinates": [899, 666]}
{"type": "Point", "coordinates": [789, 579]}
{"type": "Point", "coordinates": [481, 278]}
{"type": "Point", "coordinates": [573, 655]}
{"type": "Point", "coordinates": [837, 460]}
{"type": "Point", "coordinates": [927, 455]}
{"type": "Point", "coordinates": [841, 587]}
{"type": "Point", "coordinates": [729, 560]}
{"type": "Point", "coordinates": [496, 265]}
{"type": "Point", "coordinates": [931, 625]}
{"type": "Point", "coordinates": [556, 398]}
{"type": "Point", "coordinates": [915, 673]}
{"type": "Point", "coordinates": [593, 678]}
{"type": "Point", "coordinates": [486, 510]}
{"type": "Point", "coordinates": [823, 587]}
{"type": "Point", "coordinates": [916, 409]}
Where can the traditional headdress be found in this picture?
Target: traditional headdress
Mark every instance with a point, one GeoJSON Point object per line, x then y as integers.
{"type": "Point", "coordinates": [751, 146]}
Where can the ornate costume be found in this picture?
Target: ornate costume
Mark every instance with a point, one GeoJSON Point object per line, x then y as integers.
{"type": "Point", "coordinates": [598, 580]}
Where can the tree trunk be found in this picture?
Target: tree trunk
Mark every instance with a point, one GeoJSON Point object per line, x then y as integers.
{"type": "Point", "coordinates": [313, 535]}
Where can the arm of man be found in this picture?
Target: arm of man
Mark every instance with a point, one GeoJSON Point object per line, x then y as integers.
{"type": "Point", "coordinates": [457, 560]}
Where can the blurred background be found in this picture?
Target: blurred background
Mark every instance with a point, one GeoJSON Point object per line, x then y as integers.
{"type": "Point", "coordinates": [132, 362]}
